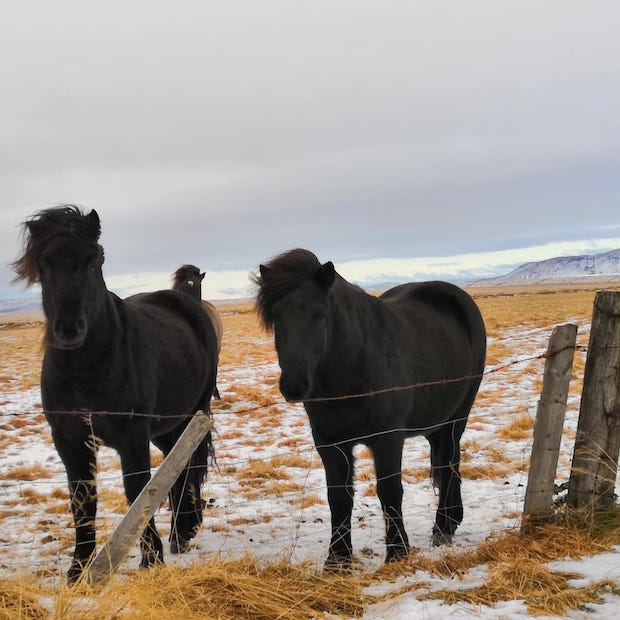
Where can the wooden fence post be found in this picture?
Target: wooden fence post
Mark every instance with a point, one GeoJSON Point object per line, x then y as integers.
{"type": "Point", "coordinates": [595, 457]}
{"type": "Point", "coordinates": [549, 423]}
{"type": "Point", "coordinates": [126, 535]}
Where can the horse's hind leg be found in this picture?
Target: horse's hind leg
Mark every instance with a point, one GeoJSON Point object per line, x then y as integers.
{"type": "Point", "coordinates": [388, 459]}
{"type": "Point", "coordinates": [338, 463]}
{"type": "Point", "coordinates": [445, 461]}
{"type": "Point", "coordinates": [185, 495]}
{"type": "Point", "coordinates": [136, 466]}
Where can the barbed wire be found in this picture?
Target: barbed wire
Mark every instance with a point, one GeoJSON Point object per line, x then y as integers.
{"type": "Point", "coordinates": [309, 449]}
{"type": "Point", "coordinates": [367, 394]}
{"type": "Point", "coordinates": [409, 431]}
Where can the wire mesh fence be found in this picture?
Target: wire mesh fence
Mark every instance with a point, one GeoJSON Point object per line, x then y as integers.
{"type": "Point", "coordinates": [267, 493]}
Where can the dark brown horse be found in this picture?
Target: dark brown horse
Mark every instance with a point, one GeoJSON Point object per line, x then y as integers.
{"type": "Point", "coordinates": [149, 362]}
{"type": "Point", "coordinates": [188, 279]}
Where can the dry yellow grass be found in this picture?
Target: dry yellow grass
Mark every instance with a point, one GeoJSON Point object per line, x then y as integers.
{"type": "Point", "coordinates": [29, 473]}
{"type": "Point", "coordinates": [112, 500]}
{"type": "Point", "coordinates": [292, 460]}
{"type": "Point", "coordinates": [415, 475]}
{"type": "Point", "coordinates": [506, 307]}
{"type": "Point", "coordinates": [520, 427]}
{"type": "Point", "coordinates": [545, 592]}
{"type": "Point", "coordinates": [261, 470]}
{"type": "Point", "coordinates": [21, 599]}
{"type": "Point", "coordinates": [498, 353]}
{"type": "Point", "coordinates": [235, 590]}
{"type": "Point", "coordinates": [517, 568]}
{"type": "Point", "coordinates": [20, 355]}
{"type": "Point", "coordinates": [305, 501]}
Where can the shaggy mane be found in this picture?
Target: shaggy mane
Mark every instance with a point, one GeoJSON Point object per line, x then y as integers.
{"type": "Point", "coordinates": [42, 227]}
{"type": "Point", "coordinates": [282, 274]}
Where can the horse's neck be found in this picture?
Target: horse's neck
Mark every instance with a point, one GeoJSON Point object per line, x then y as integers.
{"type": "Point", "coordinates": [194, 291]}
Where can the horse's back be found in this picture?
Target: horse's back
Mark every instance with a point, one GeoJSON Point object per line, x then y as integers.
{"type": "Point", "coordinates": [435, 302]}
{"type": "Point", "coordinates": [175, 326]}
{"type": "Point", "coordinates": [168, 304]}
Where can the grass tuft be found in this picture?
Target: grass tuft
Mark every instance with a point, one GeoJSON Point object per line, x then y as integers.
{"type": "Point", "coordinates": [236, 589]}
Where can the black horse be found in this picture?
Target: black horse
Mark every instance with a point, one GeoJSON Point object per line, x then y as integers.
{"type": "Point", "coordinates": [150, 361]}
{"type": "Point", "coordinates": [413, 356]}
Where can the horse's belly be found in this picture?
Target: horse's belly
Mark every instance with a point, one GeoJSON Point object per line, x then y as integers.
{"type": "Point", "coordinates": [361, 420]}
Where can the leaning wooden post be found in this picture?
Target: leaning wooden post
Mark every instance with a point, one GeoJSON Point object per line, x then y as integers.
{"type": "Point", "coordinates": [595, 457]}
{"type": "Point", "coordinates": [126, 535]}
{"type": "Point", "coordinates": [549, 423]}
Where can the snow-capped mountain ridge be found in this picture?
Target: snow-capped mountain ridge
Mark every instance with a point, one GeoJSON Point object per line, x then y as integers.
{"type": "Point", "coordinates": [561, 269]}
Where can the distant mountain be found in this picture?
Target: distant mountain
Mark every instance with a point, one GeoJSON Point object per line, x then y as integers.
{"type": "Point", "coordinates": [597, 267]}
{"type": "Point", "coordinates": [19, 305]}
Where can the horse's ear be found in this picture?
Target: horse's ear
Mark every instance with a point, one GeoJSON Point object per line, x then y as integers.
{"type": "Point", "coordinates": [94, 225]}
{"type": "Point", "coordinates": [325, 275]}
{"type": "Point", "coordinates": [264, 271]}
{"type": "Point", "coordinates": [33, 226]}
{"type": "Point", "coordinates": [202, 276]}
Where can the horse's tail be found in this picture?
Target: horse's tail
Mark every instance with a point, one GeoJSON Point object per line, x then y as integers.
{"type": "Point", "coordinates": [198, 468]}
{"type": "Point", "coordinates": [186, 491]}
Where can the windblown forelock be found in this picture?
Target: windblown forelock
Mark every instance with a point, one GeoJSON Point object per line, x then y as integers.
{"type": "Point", "coordinates": [49, 224]}
{"type": "Point", "coordinates": [283, 274]}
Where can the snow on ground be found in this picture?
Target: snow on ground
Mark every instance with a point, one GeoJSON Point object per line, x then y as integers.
{"type": "Point", "coordinates": [268, 496]}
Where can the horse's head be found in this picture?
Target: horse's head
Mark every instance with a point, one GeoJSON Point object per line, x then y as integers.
{"type": "Point", "coordinates": [188, 279]}
{"type": "Point", "coordinates": [298, 314]}
{"type": "Point", "coordinates": [62, 253]}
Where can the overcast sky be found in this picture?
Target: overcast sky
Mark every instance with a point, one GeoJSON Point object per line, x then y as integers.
{"type": "Point", "coordinates": [448, 137]}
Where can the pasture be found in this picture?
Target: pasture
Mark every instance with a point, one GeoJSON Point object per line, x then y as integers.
{"type": "Point", "coordinates": [266, 528]}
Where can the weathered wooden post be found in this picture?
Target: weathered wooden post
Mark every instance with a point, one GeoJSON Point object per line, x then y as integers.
{"type": "Point", "coordinates": [126, 535]}
{"type": "Point", "coordinates": [549, 423]}
{"type": "Point", "coordinates": [595, 457]}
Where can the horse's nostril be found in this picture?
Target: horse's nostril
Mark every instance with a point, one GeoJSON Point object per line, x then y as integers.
{"type": "Point", "coordinates": [81, 325]}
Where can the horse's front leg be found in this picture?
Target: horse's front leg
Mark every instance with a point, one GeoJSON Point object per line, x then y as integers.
{"type": "Point", "coordinates": [338, 463]}
{"type": "Point", "coordinates": [136, 466]}
{"type": "Point", "coordinates": [80, 460]}
{"type": "Point", "coordinates": [388, 461]}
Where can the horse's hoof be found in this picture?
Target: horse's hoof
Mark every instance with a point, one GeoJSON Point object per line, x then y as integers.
{"type": "Point", "coordinates": [440, 538]}
{"type": "Point", "coordinates": [337, 563]}
{"type": "Point", "coordinates": [74, 573]}
{"type": "Point", "coordinates": [151, 561]}
{"type": "Point", "coordinates": [179, 545]}
{"type": "Point", "coordinates": [396, 553]}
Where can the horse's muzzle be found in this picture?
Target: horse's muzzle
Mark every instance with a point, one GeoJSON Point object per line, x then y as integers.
{"type": "Point", "coordinates": [294, 388]}
{"type": "Point", "coordinates": [67, 335]}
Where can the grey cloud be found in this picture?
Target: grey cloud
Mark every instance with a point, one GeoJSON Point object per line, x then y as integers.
{"type": "Point", "coordinates": [224, 134]}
